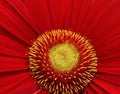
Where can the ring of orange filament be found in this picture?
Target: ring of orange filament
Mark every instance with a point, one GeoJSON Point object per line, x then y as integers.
{"type": "Point", "coordinates": [58, 81]}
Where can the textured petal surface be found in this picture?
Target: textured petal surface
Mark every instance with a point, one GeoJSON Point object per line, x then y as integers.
{"type": "Point", "coordinates": [15, 38]}
{"type": "Point", "coordinates": [17, 82]}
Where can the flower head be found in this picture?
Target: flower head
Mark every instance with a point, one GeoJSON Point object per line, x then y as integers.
{"type": "Point", "coordinates": [59, 47]}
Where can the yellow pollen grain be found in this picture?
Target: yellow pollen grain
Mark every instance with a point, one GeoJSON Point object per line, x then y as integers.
{"type": "Point", "coordinates": [63, 57]}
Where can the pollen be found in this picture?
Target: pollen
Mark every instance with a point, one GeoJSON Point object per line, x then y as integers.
{"type": "Point", "coordinates": [62, 61]}
{"type": "Point", "coordinates": [63, 57]}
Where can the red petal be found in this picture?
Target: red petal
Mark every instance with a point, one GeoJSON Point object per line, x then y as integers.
{"type": "Point", "coordinates": [111, 45]}
{"type": "Point", "coordinates": [10, 47]}
{"type": "Point", "coordinates": [41, 91]}
{"type": "Point", "coordinates": [8, 64]}
{"type": "Point", "coordinates": [109, 64]}
{"type": "Point", "coordinates": [101, 18]}
{"type": "Point", "coordinates": [56, 14]}
{"type": "Point", "coordinates": [17, 83]}
{"type": "Point", "coordinates": [23, 12]}
{"type": "Point", "coordinates": [38, 10]}
{"type": "Point", "coordinates": [97, 89]}
{"type": "Point", "coordinates": [15, 25]}
{"type": "Point", "coordinates": [111, 78]}
{"type": "Point", "coordinates": [89, 90]}
{"type": "Point", "coordinates": [109, 70]}
{"type": "Point", "coordinates": [106, 86]}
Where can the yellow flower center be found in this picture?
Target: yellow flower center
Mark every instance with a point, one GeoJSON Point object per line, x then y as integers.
{"type": "Point", "coordinates": [63, 57]}
{"type": "Point", "coordinates": [62, 61]}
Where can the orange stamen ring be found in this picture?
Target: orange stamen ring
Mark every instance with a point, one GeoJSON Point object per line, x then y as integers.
{"type": "Point", "coordinates": [62, 61]}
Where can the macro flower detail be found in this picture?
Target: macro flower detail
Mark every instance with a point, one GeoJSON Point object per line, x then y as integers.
{"type": "Point", "coordinates": [62, 61]}
{"type": "Point", "coordinates": [59, 46]}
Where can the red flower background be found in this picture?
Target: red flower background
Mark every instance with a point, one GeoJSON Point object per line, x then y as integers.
{"type": "Point", "coordinates": [22, 21]}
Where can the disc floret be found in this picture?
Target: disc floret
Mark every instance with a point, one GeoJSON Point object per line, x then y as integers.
{"type": "Point", "coordinates": [62, 61]}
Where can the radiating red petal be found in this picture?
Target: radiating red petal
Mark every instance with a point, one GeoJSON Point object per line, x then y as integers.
{"type": "Point", "coordinates": [78, 13]}
{"type": "Point", "coordinates": [110, 71]}
{"type": "Point", "coordinates": [8, 64]}
{"type": "Point", "coordinates": [67, 13]}
{"type": "Point", "coordinates": [110, 47]}
{"type": "Point", "coordinates": [102, 16]}
{"type": "Point", "coordinates": [56, 13]}
{"type": "Point", "coordinates": [15, 25]}
{"type": "Point", "coordinates": [89, 90]}
{"type": "Point", "coordinates": [38, 10]}
{"type": "Point", "coordinates": [93, 88]}
{"type": "Point", "coordinates": [83, 13]}
{"type": "Point", "coordinates": [92, 16]}
{"type": "Point", "coordinates": [43, 92]}
{"type": "Point", "coordinates": [109, 63]}
{"type": "Point", "coordinates": [24, 13]}
{"type": "Point", "coordinates": [17, 83]}
{"type": "Point", "coordinates": [106, 86]}
{"type": "Point", "coordinates": [111, 78]}
{"type": "Point", "coordinates": [11, 47]}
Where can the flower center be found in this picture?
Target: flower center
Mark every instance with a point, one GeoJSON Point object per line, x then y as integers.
{"type": "Point", "coordinates": [63, 57]}
{"type": "Point", "coordinates": [62, 61]}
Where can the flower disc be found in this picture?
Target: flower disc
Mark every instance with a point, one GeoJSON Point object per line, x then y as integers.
{"type": "Point", "coordinates": [62, 61]}
{"type": "Point", "coordinates": [63, 57]}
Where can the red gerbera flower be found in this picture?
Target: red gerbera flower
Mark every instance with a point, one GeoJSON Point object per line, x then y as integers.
{"type": "Point", "coordinates": [59, 47]}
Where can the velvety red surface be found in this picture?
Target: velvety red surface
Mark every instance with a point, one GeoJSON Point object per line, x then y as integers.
{"type": "Point", "coordinates": [22, 21]}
